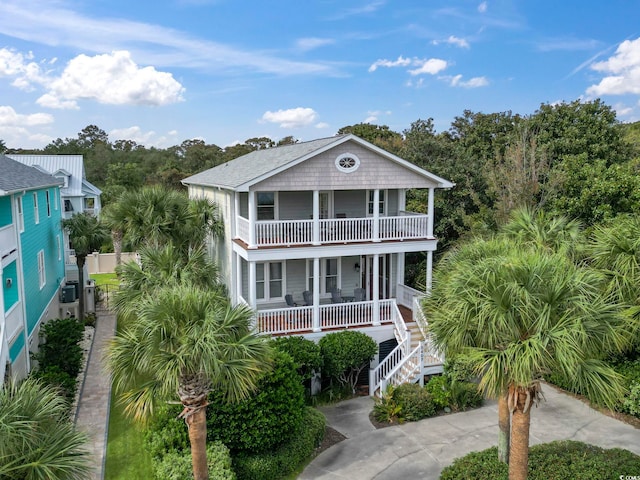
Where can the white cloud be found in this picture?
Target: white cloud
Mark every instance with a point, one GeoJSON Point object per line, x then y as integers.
{"type": "Point", "coordinates": [111, 79]}
{"type": "Point", "coordinates": [291, 118]}
{"type": "Point", "coordinates": [482, 8]}
{"type": "Point", "coordinates": [9, 117]}
{"type": "Point", "coordinates": [400, 62]}
{"type": "Point", "coordinates": [624, 67]}
{"type": "Point", "coordinates": [431, 66]}
{"type": "Point", "coordinates": [313, 42]}
{"type": "Point", "coordinates": [17, 65]}
{"type": "Point", "coordinates": [321, 125]}
{"type": "Point", "coordinates": [475, 82]}
{"type": "Point", "coordinates": [453, 40]}
{"type": "Point", "coordinates": [149, 139]}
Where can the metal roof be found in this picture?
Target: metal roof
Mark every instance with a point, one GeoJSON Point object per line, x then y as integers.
{"type": "Point", "coordinates": [67, 165]}
{"type": "Point", "coordinates": [16, 177]}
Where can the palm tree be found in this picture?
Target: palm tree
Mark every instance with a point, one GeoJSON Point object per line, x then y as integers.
{"type": "Point", "coordinates": [37, 440]}
{"type": "Point", "coordinates": [155, 216]}
{"type": "Point", "coordinates": [181, 340]}
{"type": "Point", "coordinates": [87, 235]}
{"type": "Point", "coordinates": [520, 314]}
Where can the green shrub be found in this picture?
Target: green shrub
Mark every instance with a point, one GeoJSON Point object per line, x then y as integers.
{"type": "Point", "coordinates": [562, 459]}
{"type": "Point", "coordinates": [288, 457]}
{"type": "Point", "coordinates": [438, 388]}
{"type": "Point", "coordinates": [177, 465]}
{"type": "Point", "coordinates": [305, 353]}
{"type": "Point", "coordinates": [166, 433]}
{"type": "Point", "coordinates": [345, 354]}
{"type": "Point", "coordinates": [460, 368]}
{"type": "Point", "coordinates": [54, 376]}
{"type": "Point", "coordinates": [464, 395]}
{"type": "Point", "coordinates": [631, 403]}
{"type": "Point", "coordinates": [386, 408]}
{"type": "Point", "coordinates": [265, 420]}
{"type": "Point", "coordinates": [415, 402]}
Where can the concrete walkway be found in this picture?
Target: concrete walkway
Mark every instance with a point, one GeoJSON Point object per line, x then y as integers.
{"type": "Point", "coordinates": [92, 414]}
{"type": "Point", "coordinates": [420, 450]}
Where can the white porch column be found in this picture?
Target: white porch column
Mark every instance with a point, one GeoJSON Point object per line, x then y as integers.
{"type": "Point", "coordinates": [402, 200]}
{"type": "Point", "coordinates": [376, 215]}
{"type": "Point", "coordinates": [236, 214]}
{"type": "Point", "coordinates": [316, 217]}
{"type": "Point", "coordinates": [376, 289]}
{"type": "Point", "coordinates": [399, 269]}
{"type": "Point", "coordinates": [252, 285]}
{"type": "Point", "coordinates": [430, 213]}
{"type": "Point", "coordinates": [316, 295]}
{"type": "Point", "coordinates": [429, 271]}
{"type": "Point", "coordinates": [238, 278]}
{"type": "Point", "coordinates": [252, 219]}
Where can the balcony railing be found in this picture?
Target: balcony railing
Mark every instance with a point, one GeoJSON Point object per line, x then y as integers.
{"type": "Point", "coordinates": [275, 233]}
{"type": "Point", "coordinates": [333, 316]}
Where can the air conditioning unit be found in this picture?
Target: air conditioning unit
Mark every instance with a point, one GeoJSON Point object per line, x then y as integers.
{"type": "Point", "coordinates": [68, 294]}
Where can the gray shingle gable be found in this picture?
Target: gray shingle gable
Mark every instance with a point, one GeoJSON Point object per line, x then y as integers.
{"type": "Point", "coordinates": [256, 164]}
{"type": "Point", "coordinates": [15, 176]}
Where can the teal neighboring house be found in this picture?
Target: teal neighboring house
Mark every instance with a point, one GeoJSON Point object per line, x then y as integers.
{"type": "Point", "coordinates": [31, 261]}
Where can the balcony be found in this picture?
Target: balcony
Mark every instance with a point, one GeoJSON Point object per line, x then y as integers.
{"type": "Point", "coordinates": [8, 241]}
{"type": "Point", "coordinates": [286, 233]}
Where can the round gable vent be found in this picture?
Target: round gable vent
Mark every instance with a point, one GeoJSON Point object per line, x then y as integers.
{"type": "Point", "coordinates": [347, 162]}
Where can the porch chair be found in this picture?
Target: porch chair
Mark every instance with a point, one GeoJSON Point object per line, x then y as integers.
{"type": "Point", "coordinates": [308, 298]}
{"type": "Point", "coordinates": [336, 295]}
{"type": "Point", "coordinates": [289, 299]}
{"type": "Point", "coordinates": [359, 295]}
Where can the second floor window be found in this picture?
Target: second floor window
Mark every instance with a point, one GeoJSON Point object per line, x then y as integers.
{"type": "Point", "coordinates": [68, 206]}
{"type": "Point", "coordinates": [381, 205]}
{"type": "Point", "coordinates": [36, 214]}
{"type": "Point", "coordinates": [269, 280]}
{"type": "Point", "coordinates": [48, 203]}
{"type": "Point", "coordinates": [20, 215]}
{"type": "Point", "coordinates": [266, 206]}
{"type": "Point", "coordinates": [42, 275]}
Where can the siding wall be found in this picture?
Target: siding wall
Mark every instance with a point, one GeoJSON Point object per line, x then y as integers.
{"type": "Point", "coordinates": [10, 294]}
{"type": "Point", "coordinates": [320, 173]}
{"type": "Point", "coordinates": [36, 237]}
{"type": "Point", "coordinates": [5, 211]}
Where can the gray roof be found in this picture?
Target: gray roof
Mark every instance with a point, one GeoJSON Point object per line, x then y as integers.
{"type": "Point", "coordinates": [17, 176]}
{"type": "Point", "coordinates": [257, 165]}
{"type": "Point", "coordinates": [72, 165]}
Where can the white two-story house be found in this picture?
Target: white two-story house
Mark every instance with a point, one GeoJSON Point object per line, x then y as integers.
{"type": "Point", "coordinates": [315, 240]}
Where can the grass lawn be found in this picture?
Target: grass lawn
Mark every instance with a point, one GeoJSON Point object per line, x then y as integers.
{"type": "Point", "coordinates": [105, 278]}
{"type": "Point", "coordinates": [126, 456]}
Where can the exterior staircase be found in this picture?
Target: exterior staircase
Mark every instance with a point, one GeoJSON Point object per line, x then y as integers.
{"type": "Point", "coordinates": [413, 358]}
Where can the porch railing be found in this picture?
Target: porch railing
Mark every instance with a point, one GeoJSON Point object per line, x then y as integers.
{"type": "Point", "coordinates": [8, 239]}
{"type": "Point", "coordinates": [269, 233]}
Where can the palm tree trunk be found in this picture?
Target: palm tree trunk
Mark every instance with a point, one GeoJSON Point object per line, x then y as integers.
{"type": "Point", "coordinates": [117, 245]}
{"type": "Point", "coordinates": [197, 423]}
{"type": "Point", "coordinates": [519, 452]}
{"type": "Point", "coordinates": [504, 421]}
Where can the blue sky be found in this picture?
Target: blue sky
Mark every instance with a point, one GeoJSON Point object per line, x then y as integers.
{"type": "Point", "coordinates": [227, 70]}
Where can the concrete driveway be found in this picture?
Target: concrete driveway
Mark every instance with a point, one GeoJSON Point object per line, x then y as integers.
{"type": "Point", "coordinates": [420, 450]}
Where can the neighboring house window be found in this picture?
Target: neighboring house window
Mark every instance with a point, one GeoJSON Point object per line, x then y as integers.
{"type": "Point", "coordinates": [269, 280]}
{"type": "Point", "coordinates": [266, 206]}
{"type": "Point", "coordinates": [55, 198]}
{"type": "Point", "coordinates": [36, 214]}
{"type": "Point", "coordinates": [68, 207]}
{"type": "Point", "coordinates": [41, 273]}
{"type": "Point", "coordinates": [381, 205]}
{"type": "Point", "coordinates": [48, 203]}
{"type": "Point", "coordinates": [20, 215]}
{"type": "Point", "coordinates": [59, 243]}
{"type": "Point", "coordinates": [89, 203]}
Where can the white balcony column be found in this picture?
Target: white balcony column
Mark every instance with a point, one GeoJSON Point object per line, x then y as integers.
{"type": "Point", "coordinates": [376, 215]}
{"type": "Point", "coordinates": [429, 279]}
{"type": "Point", "coordinates": [252, 285]}
{"type": "Point", "coordinates": [238, 278]}
{"type": "Point", "coordinates": [376, 289]}
{"type": "Point", "coordinates": [316, 217]}
{"type": "Point", "coordinates": [399, 269]}
{"type": "Point", "coordinates": [316, 295]}
{"type": "Point", "coordinates": [430, 213]}
{"type": "Point", "coordinates": [253, 214]}
{"type": "Point", "coordinates": [236, 214]}
{"type": "Point", "coordinates": [402, 200]}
